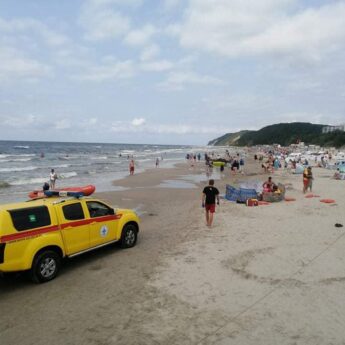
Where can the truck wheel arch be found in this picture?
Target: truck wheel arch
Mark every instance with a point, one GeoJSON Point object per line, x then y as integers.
{"type": "Point", "coordinates": [56, 249]}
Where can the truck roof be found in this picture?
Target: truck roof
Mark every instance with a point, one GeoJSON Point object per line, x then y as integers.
{"type": "Point", "coordinates": [37, 202]}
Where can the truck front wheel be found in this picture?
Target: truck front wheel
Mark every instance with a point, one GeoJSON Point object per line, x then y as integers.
{"type": "Point", "coordinates": [46, 266]}
{"type": "Point", "coordinates": [129, 236]}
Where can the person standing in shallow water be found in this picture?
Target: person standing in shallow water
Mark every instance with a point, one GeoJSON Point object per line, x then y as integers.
{"type": "Point", "coordinates": [131, 167]}
{"type": "Point", "coordinates": [52, 178]}
{"type": "Point", "coordinates": [209, 196]}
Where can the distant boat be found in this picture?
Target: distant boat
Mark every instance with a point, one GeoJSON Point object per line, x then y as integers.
{"type": "Point", "coordinates": [21, 147]}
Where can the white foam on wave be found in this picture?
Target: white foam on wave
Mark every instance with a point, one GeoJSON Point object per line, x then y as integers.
{"type": "Point", "coordinates": [98, 157]}
{"type": "Point", "coordinates": [18, 169]}
{"type": "Point", "coordinates": [145, 160]}
{"type": "Point", "coordinates": [40, 180]}
{"type": "Point", "coordinates": [15, 160]}
{"type": "Point", "coordinates": [21, 147]}
{"type": "Point", "coordinates": [6, 155]}
{"type": "Point", "coordinates": [36, 180]}
{"type": "Point", "coordinates": [62, 166]}
{"type": "Point", "coordinates": [68, 175]}
{"type": "Point", "coordinates": [68, 158]}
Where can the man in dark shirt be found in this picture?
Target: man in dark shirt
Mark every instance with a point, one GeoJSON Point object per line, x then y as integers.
{"type": "Point", "coordinates": [209, 196]}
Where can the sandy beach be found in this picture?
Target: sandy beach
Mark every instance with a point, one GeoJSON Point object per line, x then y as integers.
{"type": "Point", "coordinates": [265, 275]}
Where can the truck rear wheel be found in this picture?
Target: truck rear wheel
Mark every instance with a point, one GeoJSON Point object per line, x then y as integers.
{"type": "Point", "coordinates": [46, 266]}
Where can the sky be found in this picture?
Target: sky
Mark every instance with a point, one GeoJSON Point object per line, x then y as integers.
{"type": "Point", "coordinates": [169, 71]}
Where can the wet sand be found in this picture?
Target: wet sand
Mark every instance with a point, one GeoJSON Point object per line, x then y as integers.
{"type": "Point", "coordinates": [262, 275]}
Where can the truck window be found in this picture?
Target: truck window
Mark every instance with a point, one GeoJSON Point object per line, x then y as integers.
{"type": "Point", "coordinates": [97, 209]}
{"type": "Point", "coordinates": [73, 211]}
{"type": "Point", "coordinates": [30, 218]}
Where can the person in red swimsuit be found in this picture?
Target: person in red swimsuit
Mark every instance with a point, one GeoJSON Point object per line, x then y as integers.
{"type": "Point", "coordinates": [269, 185]}
{"type": "Point", "coordinates": [131, 167]}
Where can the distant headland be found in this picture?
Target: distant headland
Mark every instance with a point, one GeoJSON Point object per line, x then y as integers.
{"type": "Point", "coordinates": [286, 134]}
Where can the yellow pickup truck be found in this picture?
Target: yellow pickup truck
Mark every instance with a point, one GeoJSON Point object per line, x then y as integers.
{"type": "Point", "coordinates": [37, 234]}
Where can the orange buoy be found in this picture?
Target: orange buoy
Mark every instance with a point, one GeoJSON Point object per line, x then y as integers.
{"type": "Point", "coordinates": [328, 201]}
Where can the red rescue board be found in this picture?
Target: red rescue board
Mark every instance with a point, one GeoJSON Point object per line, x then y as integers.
{"type": "Point", "coordinates": [86, 190]}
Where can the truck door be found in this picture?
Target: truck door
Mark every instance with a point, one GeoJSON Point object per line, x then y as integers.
{"type": "Point", "coordinates": [103, 223]}
{"type": "Point", "coordinates": [74, 227]}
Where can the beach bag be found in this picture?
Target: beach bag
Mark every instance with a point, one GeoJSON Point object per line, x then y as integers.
{"type": "Point", "coordinates": [246, 193]}
{"type": "Point", "coordinates": [232, 194]}
{"type": "Point", "coordinates": [252, 202]}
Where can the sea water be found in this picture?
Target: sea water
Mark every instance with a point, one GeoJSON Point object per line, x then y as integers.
{"type": "Point", "coordinates": [25, 166]}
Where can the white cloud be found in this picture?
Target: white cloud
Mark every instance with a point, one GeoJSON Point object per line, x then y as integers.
{"type": "Point", "coordinates": [13, 65]}
{"type": "Point", "coordinates": [174, 129]}
{"type": "Point", "coordinates": [62, 124]}
{"type": "Point", "coordinates": [157, 66]}
{"type": "Point", "coordinates": [22, 40]}
{"type": "Point", "coordinates": [107, 72]}
{"type": "Point", "coordinates": [28, 26]}
{"type": "Point", "coordinates": [99, 3]}
{"type": "Point", "coordinates": [150, 52]}
{"type": "Point", "coordinates": [141, 36]}
{"type": "Point", "coordinates": [138, 122]}
{"type": "Point", "coordinates": [102, 23]}
{"type": "Point", "coordinates": [89, 123]}
{"type": "Point", "coordinates": [171, 4]}
{"type": "Point", "coordinates": [178, 80]}
{"type": "Point", "coordinates": [269, 27]}
{"type": "Point", "coordinates": [173, 30]}
{"type": "Point", "coordinates": [22, 121]}
{"type": "Point", "coordinates": [182, 129]}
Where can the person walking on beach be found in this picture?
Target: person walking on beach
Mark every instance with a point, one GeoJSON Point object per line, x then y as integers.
{"type": "Point", "coordinates": [305, 180]}
{"type": "Point", "coordinates": [310, 179]}
{"type": "Point", "coordinates": [157, 162]}
{"type": "Point", "coordinates": [241, 165]}
{"type": "Point", "coordinates": [209, 196]}
{"type": "Point", "coordinates": [52, 178]}
{"type": "Point", "coordinates": [131, 167]}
